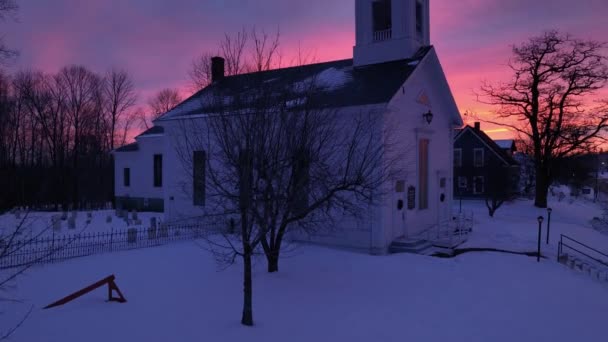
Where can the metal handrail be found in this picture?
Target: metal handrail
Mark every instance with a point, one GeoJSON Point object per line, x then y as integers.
{"type": "Point", "coordinates": [562, 244]}
{"type": "Point", "coordinates": [582, 244]}
{"type": "Point", "coordinates": [585, 254]}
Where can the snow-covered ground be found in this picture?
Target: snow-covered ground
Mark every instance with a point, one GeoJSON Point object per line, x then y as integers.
{"type": "Point", "coordinates": [176, 293]}
{"type": "Point", "coordinates": [515, 226]}
{"type": "Point", "coordinates": [40, 223]}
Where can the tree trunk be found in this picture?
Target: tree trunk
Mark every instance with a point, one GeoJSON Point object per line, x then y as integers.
{"type": "Point", "coordinates": [542, 189]}
{"type": "Point", "coordinates": [247, 318]}
{"type": "Point", "coordinates": [273, 261]}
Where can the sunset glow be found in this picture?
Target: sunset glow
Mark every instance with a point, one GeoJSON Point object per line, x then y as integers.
{"type": "Point", "coordinates": [156, 40]}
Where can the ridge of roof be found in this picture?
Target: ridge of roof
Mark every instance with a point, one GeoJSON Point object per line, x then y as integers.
{"type": "Point", "coordinates": [132, 147]}
{"type": "Point", "coordinates": [154, 130]}
{"type": "Point", "coordinates": [489, 142]}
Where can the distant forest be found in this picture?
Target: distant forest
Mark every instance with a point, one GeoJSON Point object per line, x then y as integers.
{"type": "Point", "coordinates": [56, 135]}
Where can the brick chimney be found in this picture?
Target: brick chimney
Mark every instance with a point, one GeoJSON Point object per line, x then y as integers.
{"type": "Point", "coordinates": [477, 126]}
{"type": "Point", "coordinates": [217, 69]}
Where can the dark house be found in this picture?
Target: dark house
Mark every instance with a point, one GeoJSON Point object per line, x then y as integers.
{"type": "Point", "coordinates": [483, 168]}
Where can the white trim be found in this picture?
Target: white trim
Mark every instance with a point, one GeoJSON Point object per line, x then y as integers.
{"type": "Point", "coordinates": [378, 108]}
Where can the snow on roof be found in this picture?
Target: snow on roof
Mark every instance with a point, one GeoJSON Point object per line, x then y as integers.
{"type": "Point", "coordinates": [328, 79]}
{"type": "Point", "coordinates": [505, 143]}
{"type": "Point", "coordinates": [332, 84]}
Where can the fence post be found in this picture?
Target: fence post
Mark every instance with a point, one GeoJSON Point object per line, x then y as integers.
{"type": "Point", "coordinates": [549, 210]}
{"type": "Point", "coordinates": [52, 247]}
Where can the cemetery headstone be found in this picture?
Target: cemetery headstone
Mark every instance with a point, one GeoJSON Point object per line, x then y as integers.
{"type": "Point", "coordinates": [72, 223]}
{"type": "Point", "coordinates": [151, 233]}
{"type": "Point", "coordinates": [56, 222]}
{"type": "Point", "coordinates": [163, 231]}
{"type": "Point", "coordinates": [132, 235]}
{"type": "Point", "coordinates": [153, 222]}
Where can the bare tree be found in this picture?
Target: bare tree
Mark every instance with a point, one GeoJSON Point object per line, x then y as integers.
{"type": "Point", "coordinates": [120, 97]}
{"type": "Point", "coordinates": [277, 164]}
{"type": "Point", "coordinates": [245, 51]}
{"type": "Point", "coordinates": [200, 72]}
{"type": "Point", "coordinates": [164, 101]}
{"type": "Point", "coordinates": [547, 102]}
{"type": "Point", "coordinates": [233, 49]}
{"type": "Point", "coordinates": [265, 53]}
{"type": "Point", "coordinates": [82, 92]}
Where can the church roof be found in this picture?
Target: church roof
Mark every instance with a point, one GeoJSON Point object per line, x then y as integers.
{"type": "Point", "coordinates": [154, 130]}
{"type": "Point", "coordinates": [337, 84]}
{"type": "Point", "coordinates": [128, 148]}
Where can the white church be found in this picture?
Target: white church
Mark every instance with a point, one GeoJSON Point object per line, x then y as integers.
{"type": "Point", "coordinates": [395, 71]}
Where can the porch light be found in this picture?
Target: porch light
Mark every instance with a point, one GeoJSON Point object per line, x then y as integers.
{"type": "Point", "coordinates": [428, 117]}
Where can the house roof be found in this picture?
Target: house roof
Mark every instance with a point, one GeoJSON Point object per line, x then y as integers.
{"type": "Point", "coordinates": [491, 144]}
{"type": "Point", "coordinates": [155, 130]}
{"type": "Point", "coordinates": [337, 84]}
{"type": "Point", "coordinates": [505, 143]}
{"type": "Point", "coordinates": [128, 148]}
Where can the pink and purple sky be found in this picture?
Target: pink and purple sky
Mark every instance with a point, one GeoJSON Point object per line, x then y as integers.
{"type": "Point", "coordinates": [156, 40]}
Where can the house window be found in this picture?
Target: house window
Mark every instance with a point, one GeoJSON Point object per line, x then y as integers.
{"type": "Point", "coordinates": [423, 174]}
{"type": "Point", "coordinates": [158, 170]}
{"type": "Point", "coordinates": [462, 182]}
{"type": "Point", "coordinates": [198, 177]}
{"type": "Point", "coordinates": [478, 156]}
{"type": "Point", "coordinates": [419, 17]}
{"type": "Point", "coordinates": [478, 185]}
{"type": "Point", "coordinates": [457, 157]}
{"type": "Point", "coordinates": [126, 176]}
{"type": "Point", "coordinates": [382, 16]}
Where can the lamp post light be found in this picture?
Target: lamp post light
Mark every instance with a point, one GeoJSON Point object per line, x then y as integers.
{"type": "Point", "coordinates": [428, 116]}
{"type": "Point", "coordinates": [540, 228]}
{"type": "Point", "coordinates": [549, 210]}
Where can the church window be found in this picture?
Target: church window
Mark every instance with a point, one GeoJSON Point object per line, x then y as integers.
{"type": "Point", "coordinates": [382, 17]}
{"type": "Point", "coordinates": [419, 17]}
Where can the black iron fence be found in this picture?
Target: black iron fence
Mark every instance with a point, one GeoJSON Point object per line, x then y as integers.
{"type": "Point", "coordinates": [62, 247]}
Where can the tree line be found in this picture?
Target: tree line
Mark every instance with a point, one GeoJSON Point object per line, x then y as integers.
{"type": "Point", "coordinates": [57, 131]}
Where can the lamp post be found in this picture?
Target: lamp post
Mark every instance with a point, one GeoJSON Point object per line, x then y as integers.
{"type": "Point", "coordinates": [540, 228]}
{"type": "Point", "coordinates": [549, 210]}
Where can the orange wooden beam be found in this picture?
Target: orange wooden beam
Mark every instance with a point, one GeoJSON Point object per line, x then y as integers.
{"type": "Point", "coordinates": [107, 280]}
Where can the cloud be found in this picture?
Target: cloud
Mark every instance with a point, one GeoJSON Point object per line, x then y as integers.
{"type": "Point", "coordinates": [157, 39]}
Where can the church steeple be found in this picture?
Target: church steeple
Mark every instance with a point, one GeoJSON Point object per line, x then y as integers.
{"type": "Point", "coordinates": [389, 30]}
